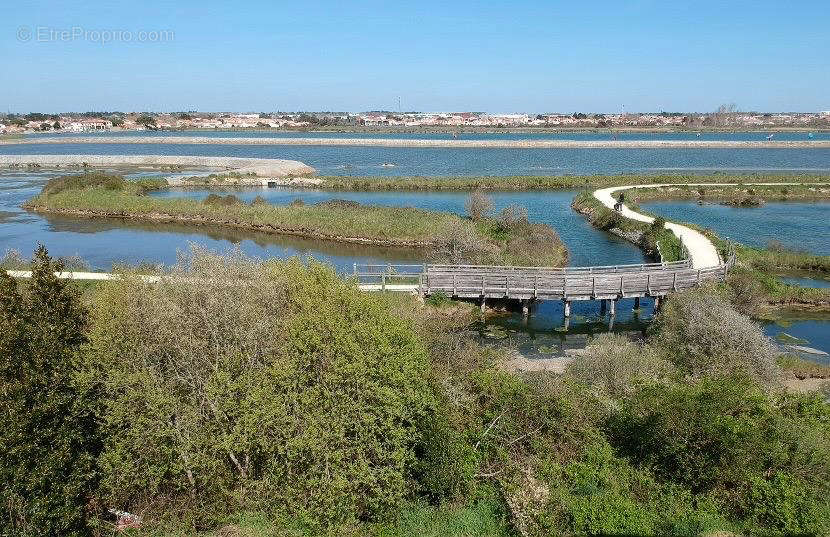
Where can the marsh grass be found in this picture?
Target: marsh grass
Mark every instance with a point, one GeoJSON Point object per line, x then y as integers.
{"type": "Point", "coordinates": [340, 220]}
{"type": "Point", "coordinates": [530, 182]}
{"type": "Point", "coordinates": [739, 195]}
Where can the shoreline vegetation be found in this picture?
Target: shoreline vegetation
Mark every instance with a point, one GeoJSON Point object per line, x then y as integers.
{"type": "Point", "coordinates": [814, 187]}
{"type": "Point", "coordinates": [423, 143]}
{"type": "Point", "coordinates": [506, 239]}
{"type": "Point", "coordinates": [246, 398]}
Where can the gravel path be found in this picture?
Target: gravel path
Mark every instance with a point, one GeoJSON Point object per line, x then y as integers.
{"type": "Point", "coordinates": [702, 252]}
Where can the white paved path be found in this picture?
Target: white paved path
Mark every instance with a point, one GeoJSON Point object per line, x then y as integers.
{"type": "Point", "coordinates": [702, 252]}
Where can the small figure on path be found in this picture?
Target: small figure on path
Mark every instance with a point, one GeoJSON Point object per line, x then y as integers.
{"type": "Point", "coordinates": [619, 205]}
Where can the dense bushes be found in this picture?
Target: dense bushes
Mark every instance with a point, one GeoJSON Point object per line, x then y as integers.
{"type": "Point", "coordinates": [763, 457]}
{"type": "Point", "coordinates": [613, 364]}
{"type": "Point", "coordinates": [703, 335]}
{"type": "Point", "coordinates": [275, 394]}
{"type": "Point", "coordinates": [48, 433]}
{"type": "Point", "coordinates": [234, 385]}
{"type": "Point", "coordinates": [88, 180]}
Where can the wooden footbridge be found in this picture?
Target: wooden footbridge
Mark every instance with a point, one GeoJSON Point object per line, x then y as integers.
{"type": "Point", "coordinates": [522, 284]}
{"type": "Point", "coordinates": [527, 284]}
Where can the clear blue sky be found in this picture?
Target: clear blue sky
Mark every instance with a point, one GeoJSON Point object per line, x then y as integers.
{"type": "Point", "coordinates": [511, 56]}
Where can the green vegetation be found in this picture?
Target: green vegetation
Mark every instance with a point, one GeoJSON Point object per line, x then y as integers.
{"type": "Point", "coordinates": [246, 398]}
{"type": "Point", "coordinates": [522, 182]}
{"type": "Point", "coordinates": [803, 369]}
{"type": "Point", "coordinates": [509, 239]}
{"type": "Point", "coordinates": [49, 440]}
{"type": "Point", "coordinates": [742, 195]}
{"type": "Point", "coordinates": [657, 241]}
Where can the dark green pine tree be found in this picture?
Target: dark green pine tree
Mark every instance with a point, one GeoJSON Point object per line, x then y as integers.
{"type": "Point", "coordinates": [48, 433]}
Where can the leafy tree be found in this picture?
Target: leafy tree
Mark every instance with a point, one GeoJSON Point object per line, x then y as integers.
{"type": "Point", "coordinates": [146, 120]}
{"type": "Point", "coordinates": [48, 436]}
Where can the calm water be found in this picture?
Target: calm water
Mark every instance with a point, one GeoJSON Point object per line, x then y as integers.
{"type": "Point", "coordinates": [604, 135]}
{"type": "Point", "coordinates": [815, 333]}
{"type": "Point", "coordinates": [361, 161]}
{"type": "Point", "coordinates": [806, 282]}
{"type": "Point", "coordinates": [800, 225]}
{"type": "Point", "coordinates": [587, 245]}
{"type": "Point", "coordinates": [105, 241]}
{"type": "Point", "coordinates": [102, 242]}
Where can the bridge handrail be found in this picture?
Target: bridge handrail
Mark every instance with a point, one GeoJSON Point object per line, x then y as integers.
{"type": "Point", "coordinates": [390, 268]}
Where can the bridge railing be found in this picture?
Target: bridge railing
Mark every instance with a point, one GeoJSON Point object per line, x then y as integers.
{"type": "Point", "coordinates": [572, 283]}
{"type": "Point", "coordinates": [361, 270]}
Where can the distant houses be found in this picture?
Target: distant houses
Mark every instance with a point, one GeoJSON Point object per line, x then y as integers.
{"type": "Point", "coordinates": [81, 123]}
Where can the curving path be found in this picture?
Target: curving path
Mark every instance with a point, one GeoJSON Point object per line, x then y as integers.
{"type": "Point", "coordinates": [702, 252]}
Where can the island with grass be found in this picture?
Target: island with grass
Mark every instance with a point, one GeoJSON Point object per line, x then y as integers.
{"type": "Point", "coordinates": [508, 239]}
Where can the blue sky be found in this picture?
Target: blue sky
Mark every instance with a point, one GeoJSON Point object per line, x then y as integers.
{"type": "Point", "coordinates": [512, 56]}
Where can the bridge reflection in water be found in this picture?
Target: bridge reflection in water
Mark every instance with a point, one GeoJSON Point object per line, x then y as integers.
{"type": "Point", "coordinates": [526, 285]}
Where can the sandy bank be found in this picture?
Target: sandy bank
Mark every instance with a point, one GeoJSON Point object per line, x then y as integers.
{"type": "Point", "coordinates": [261, 167]}
{"type": "Point", "coordinates": [393, 142]}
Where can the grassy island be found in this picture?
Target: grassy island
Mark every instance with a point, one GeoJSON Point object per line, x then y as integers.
{"type": "Point", "coordinates": [507, 239]}
{"type": "Point", "coordinates": [543, 182]}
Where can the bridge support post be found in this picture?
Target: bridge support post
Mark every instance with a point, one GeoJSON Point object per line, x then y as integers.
{"type": "Point", "coordinates": [525, 307]}
{"type": "Point", "coordinates": [567, 307]}
{"type": "Point", "coordinates": [612, 305]}
{"type": "Point", "coordinates": [483, 305]}
{"type": "Point", "coordinates": [636, 303]}
{"type": "Point", "coordinates": [656, 304]}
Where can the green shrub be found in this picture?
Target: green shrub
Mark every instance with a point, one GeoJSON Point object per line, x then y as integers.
{"type": "Point", "coordinates": [598, 493]}
{"type": "Point", "coordinates": [703, 335]}
{"type": "Point", "coordinates": [222, 201]}
{"type": "Point", "coordinates": [236, 385]}
{"type": "Point", "coordinates": [48, 432]}
{"type": "Point", "coordinates": [438, 299]}
{"type": "Point", "coordinates": [79, 182]}
{"type": "Point", "coordinates": [480, 519]}
{"type": "Point", "coordinates": [259, 200]}
{"type": "Point", "coordinates": [658, 224]}
{"type": "Point", "coordinates": [729, 439]}
{"type": "Point", "coordinates": [615, 365]}
{"type": "Point", "coordinates": [785, 504]}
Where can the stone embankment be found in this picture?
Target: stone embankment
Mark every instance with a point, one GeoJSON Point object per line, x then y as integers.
{"type": "Point", "coordinates": [254, 167]}
{"type": "Point", "coordinates": [409, 142]}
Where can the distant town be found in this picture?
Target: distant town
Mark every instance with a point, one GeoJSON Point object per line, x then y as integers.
{"type": "Point", "coordinates": [725, 118]}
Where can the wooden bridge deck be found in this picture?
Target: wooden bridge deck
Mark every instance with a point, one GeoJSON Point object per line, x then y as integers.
{"type": "Point", "coordinates": [524, 283]}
